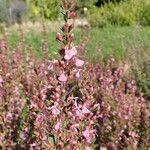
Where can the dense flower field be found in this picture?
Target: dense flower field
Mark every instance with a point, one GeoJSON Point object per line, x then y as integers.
{"type": "Point", "coordinates": [68, 103]}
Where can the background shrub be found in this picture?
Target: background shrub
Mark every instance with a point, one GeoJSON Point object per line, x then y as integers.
{"type": "Point", "coordinates": [144, 15]}
{"type": "Point", "coordinates": [48, 9]}
{"type": "Point", "coordinates": [128, 12]}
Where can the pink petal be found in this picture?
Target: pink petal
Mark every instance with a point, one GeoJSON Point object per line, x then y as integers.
{"type": "Point", "coordinates": [69, 53]}
{"type": "Point", "coordinates": [62, 78]}
{"type": "Point", "coordinates": [78, 75]}
{"type": "Point", "coordinates": [86, 133]}
{"type": "Point", "coordinates": [73, 51]}
{"type": "Point", "coordinates": [1, 79]}
{"type": "Point", "coordinates": [40, 118]}
{"type": "Point", "coordinates": [79, 63]}
{"type": "Point", "coordinates": [57, 126]}
{"type": "Point", "coordinates": [85, 110]}
{"type": "Point", "coordinates": [68, 56]}
{"type": "Point", "coordinates": [55, 110]}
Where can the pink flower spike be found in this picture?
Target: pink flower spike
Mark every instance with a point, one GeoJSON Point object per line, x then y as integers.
{"type": "Point", "coordinates": [62, 78]}
{"type": "Point", "coordinates": [57, 126]}
{"type": "Point", "coordinates": [79, 63]}
{"type": "Point", "coordinates": [69, 53]}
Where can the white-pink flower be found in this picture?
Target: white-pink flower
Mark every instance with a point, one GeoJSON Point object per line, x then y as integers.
{"type": "Point", "coordinates": [78, 74]}
{"type": "Point", "coordinates": [85, 110]}
{"type": "Point", "coordinates": [57, 126]}
{"type": "Point", "coordinates": [79, 62]}
{"type": "Point", "coordinates": [69, 53]}
{"type": "Point", "coordinates": [1, 79]}
{"type": "Point", "coordinates": [55, 110]}
{"type": "Point", "coordinates": [88, 134]}
{"type": "Point", "coordinates": [62, 78]}
{"type": "Point", "coordinates": [40, 118]}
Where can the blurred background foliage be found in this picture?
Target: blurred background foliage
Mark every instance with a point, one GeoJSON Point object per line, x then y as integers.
{"type": "Point", "coordinates": [46, 8]}
{"type": "Point", "coordinates": [122, 13]}
{"type": "Point", "coordinates": [99, 13]}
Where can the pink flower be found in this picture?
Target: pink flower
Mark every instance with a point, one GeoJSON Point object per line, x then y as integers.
{"type": "Point", "coordinates": [79, 62]}
{"type": "Point", "coordinates": [55, 110]}
{"type": "Point", "coordinates": [62, 78]}
{"type": "Point", "coordinates": [59, 37]}
{"type": "Point", "coordinates": [85, 110]}
{"type": "Point", "coordinates": [69, 53]}
{"type": "Point", "coordinates": [78, 74]}
{"type": "Point", "coordinates": [40, 118]}
{"type": "Point", "coordinates": [57, 126]}
{"type": "Point", "coordinates": [88, 135]}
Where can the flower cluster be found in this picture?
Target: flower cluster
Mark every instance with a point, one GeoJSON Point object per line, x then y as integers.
{"type": "Point", "coordinates": [68, 103]}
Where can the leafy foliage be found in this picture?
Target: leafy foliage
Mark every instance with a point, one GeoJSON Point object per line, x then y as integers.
{"type": "Point", "coordinates": [144, 15]}
{"type": "Point", "coordinates": [128, 12]}
{"type": "Point", "coordinates": [48, 9]}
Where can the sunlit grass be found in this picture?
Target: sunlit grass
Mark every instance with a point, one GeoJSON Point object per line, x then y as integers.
{"type": "Point", "coordinates": [111, 40]}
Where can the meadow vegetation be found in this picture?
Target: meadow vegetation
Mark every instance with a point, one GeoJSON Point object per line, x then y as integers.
{"type": "Point", "coordinates": [82, 89]}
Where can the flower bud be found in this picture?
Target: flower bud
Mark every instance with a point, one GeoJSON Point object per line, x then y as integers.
{"type": "Point", "coordinates": [70, 14]}
{"type": "Point", "coordinates": [59, 37]}
{"type": "Point", "coordinates": [65, 28]}
{"type": "Point", "coordinates": [71, 27]}
{"type": "Point", "coordinates": [62, 51]}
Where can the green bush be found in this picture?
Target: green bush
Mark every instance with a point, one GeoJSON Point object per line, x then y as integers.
{"type": "Point", "coordinates": [48, 9]}
{"type": "Point", "coordinates": [145, 15]}
{"type": "Point", "coordinates": [128, 12]}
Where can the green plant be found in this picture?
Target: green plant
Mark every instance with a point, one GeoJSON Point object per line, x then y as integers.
{"type": "Point", "coordinates": [144, 15]}
{"type": "Point", "coordinates": [83, 6]}
{"type": "Point", "coordinates": [48, 9]}
{"type": "Point", "coordinates": [127, 12]}
{"type": "Point", "coordinates": [138, 56]}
